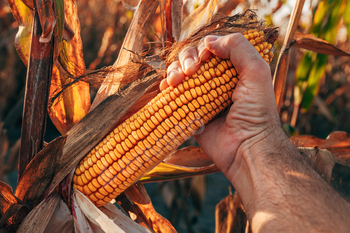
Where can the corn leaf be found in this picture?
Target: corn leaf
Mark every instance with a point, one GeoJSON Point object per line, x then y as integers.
{"type": "Point", "coordinates": [162, 21]}
{"type": "Point", "coordinates": [338, 143]}
{"type": "Point", "coordinates": [176, 15]}
{"type": "Point", "coordinates": [59, 17]}
{"type": "Point", "coordinates": [173, 15]}
{"type": "Point", "coordinates": [168, 21]}
{"type": "Point", "coordinates": [309, 42]}
{"type": "Point", "coordinates": [29, 3]}
{"type": "Point", "coordinates": [230, 215]}
{"type": "Point", "coordinates": [11, 214]}
{"type": "Point", "coordinates": [191, 161]}
{"type": "Point", "coordinates": [24, 17]}
{"type": "Point", "coordinates": [81, 224]}
{"type": "Point", "coordinates": [108, 218]}
{"type": "Point", "coordinates": [316, 72]}
{"type": "Point", "coordinates": [61, 219]}
{"type": "Point", "coordinates": [74, 102]}
{"type": "Point", "coordinates": [164, 171]}
{"type": "Point", "coordinates": [227, 7]}
{"type": "Point", "coordinates": [325, 25]}
{"type": "Point", "coordinates": [302, 73]}
{"type": "Point", "coordinates": [136, 202]}
{"type": "Point", "coordinates": [322, 161]}
{"type": "Point", "coordinates": [190, 156]}
{"type": "Point", "coordinates": [202, 15]}
{"type": "Point", "coordinates": [47, 19]}
{"type": "Point", "coordinates": [38, 174]}
{"type": "Point", "coordinates": [39, 217]}
{"type": "Point", "coordinates": [186, 162]}
{"type": "Point", "coordinates": [133, 41]}
{"type": "Point", "coordinates": [58, 158]}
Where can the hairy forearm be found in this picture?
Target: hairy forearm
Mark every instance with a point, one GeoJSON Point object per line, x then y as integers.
{"type": "Point", "coordinates": [281, 191]}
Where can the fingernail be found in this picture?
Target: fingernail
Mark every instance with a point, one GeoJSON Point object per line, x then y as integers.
{"type": "Point", "coordinates": [188, 63]}
{"type": "Point", "coordinates": [201, 49]}
{"type": "Point", "coordinates": [171, 72]}
{"type": "Point", "coordinates": [211, 38]}
{"type": "Point", "coordinates": [200, 130]}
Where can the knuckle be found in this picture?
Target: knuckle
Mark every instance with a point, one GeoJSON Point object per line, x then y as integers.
{"type": "Point", "coordinates": [174, 65]}
{"type": "Point", "coordinates": [236, 39]}
{"type": "Point", "coordinates": [188, 51]}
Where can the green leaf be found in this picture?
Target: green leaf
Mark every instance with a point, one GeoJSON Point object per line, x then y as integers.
{"type": "Point", "coordinates": [302, 75]}
{"type": "Point", "coordinates": [312, 67]}
{"type": "Point", "coordinates": [59, 14]}
{"type": "Point", "coordinates": [331, 27]}
{"type": "Point", "coordinates": [316, 73]}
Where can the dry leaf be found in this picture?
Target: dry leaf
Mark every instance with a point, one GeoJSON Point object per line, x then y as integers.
{"type": "Point", "coordinates": [310, 42]}
{"type": "Point", "coordinates": [182, 163]}
{"type": "Point", "coordinates": [227, 7]}
{"type": "Point", "coordinates": [338, 143]}
{"type": "Point", "coordinates": [230, 215]}
{"type": "Point", "coordinates": [280, 75]}
{"type": "Point", "coordinates": [38, 174]}
{"type": "Point", "coordinates": [61, 220]}
{"type": "Point", "coordinates": [81, 224]}
{"type": "Point", "coordinates": [139, 204]}
{"type": "Point", "coordinates": [168, 21]}
{"type": "Point", "coordinates": [29, 3]}
{"type": "Point", "coordinates": [74, 102]}
{"type": "Point", "coordinates": [24, 17]}
{"type": "Point", "coordinates": [191, 156]}
{"type": "Point", "coordinates": [176, 16]}
{"type": "Point", "coordinates": [322, 161]}
{"type": "Point", "coordinates": [39, 217]}
{"type": "Point", "coordinates": [47, 19]}
{"type": "Point", "coordinates": [137, 29]}
{"type": "Point", "coordinates": [199, 17]}
{"type": "Point", "coordinates": [108, 218]}
{"type": "Point", "coordinates": [164, 171]}
{"type": "Point", "coordinates": [10, 214]}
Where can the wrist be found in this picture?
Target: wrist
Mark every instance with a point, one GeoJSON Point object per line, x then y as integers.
{"type": "Point", "coordinates": [256, 172]}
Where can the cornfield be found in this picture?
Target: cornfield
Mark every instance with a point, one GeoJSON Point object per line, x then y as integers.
{"type": "Point", "coordinates": [88, 128]}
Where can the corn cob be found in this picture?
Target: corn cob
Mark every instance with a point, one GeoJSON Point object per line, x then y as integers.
{"type": "Point", "coordinates": [147, 137]}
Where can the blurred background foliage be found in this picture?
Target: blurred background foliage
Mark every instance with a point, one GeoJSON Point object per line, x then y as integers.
{"type": "Point", "coordinates": [317, 94]}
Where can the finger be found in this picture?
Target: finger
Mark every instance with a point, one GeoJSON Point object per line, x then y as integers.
{"type": "Point", "coordinates": [163, 84]}
{"type": "Point", "coordinates": [239, 50]}
{"type": "Point", "coordinates": [255, 85]}
{"type": "Point", "coordinates": [175, 74]}
{"type": "Point", "coordinates": [203, 52]}
{"type": "Point", "coordinates": [189, 60]}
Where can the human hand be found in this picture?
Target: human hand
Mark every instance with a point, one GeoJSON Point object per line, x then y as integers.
{"type": "Point", "coordinates": [253, 114]}
{"type": "Point", "coordinates": [279, 189]}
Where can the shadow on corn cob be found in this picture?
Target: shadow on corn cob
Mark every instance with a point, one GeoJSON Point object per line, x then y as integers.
{"type": "Point", "coordinates": [147, 137]}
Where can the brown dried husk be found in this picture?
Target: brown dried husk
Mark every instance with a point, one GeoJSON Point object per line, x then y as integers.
{"type": "Point", "coordinates": [222, 25]}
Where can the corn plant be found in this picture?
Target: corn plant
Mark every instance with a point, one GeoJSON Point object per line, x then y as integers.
{"type": "Point", "coordinates": [49, 44]}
